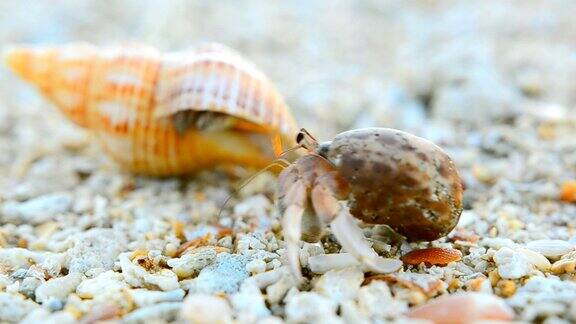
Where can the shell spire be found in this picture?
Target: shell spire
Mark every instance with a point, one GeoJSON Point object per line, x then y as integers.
{"type": "Point", "coordinates": [60, 73]}
{"type": "Point", "coordinates": [163, 113]}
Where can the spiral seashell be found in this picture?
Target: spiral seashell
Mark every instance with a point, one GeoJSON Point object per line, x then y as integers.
{"type": "Point", "coordinates": [163, 113]}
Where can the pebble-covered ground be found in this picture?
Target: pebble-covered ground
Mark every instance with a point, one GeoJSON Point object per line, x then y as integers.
{"type": "Point", "coordinates": [492, 82]}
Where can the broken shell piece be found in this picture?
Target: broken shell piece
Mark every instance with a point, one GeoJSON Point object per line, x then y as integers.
{"type": "Point", "coordinates": [249, 301]}
{"type": "Point", "coordinates": [189, 264]}
{"type": "Point", "coordinates": [512, 264]}
{"type": "Point", "coordinates": [265, 279]}
{"type": "Point", "coordinates": [537, 259]}
{"type": "Point", "coordinates": [568, 191]}
{"type": "Point", "coordinates": [144, 297]}
{"type": "Point", "coordinates": [463, 308]}
{"type": "Point", "coordinates": [159, 313]}
{"type": "Point", "coordinates": [461, 234]}
{"type": "Point", "coordinates": [432, 256]}
{"type": "Point", "coordinates": [137, 276]}
{"type": "Point", "coordinates": [340, 285]}
{"type": "Point", "coordinates": [105, 284]}
{"type": "Point", "coordinates": [101, 313]}
{"type": "Point", "coordinates": [550, 248]}
{"type": "Point", "coordinates": [310, 307]}
{"type": "Point", "coordinates": [376, 299]}
{"type": "Point", "coordinates": [426, 283]}
{"type": "Point", "coordinates": [326, 262]}
{"type": "Point", "coordinates": [567, 264]}
{"type": "Point", "coordinates": [58, 287]}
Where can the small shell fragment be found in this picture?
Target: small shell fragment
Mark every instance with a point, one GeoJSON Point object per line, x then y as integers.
{"type": "Point", "coordinates": [326, 262]}
{"type": "Point", "coordinates": [512, 264]}
{"type": "Point", "coordinates": [537, 259]}
{"type": "Point", "coordinates": [427, 284]}
{"type": "Point", "coordinates": [463, 308]}
{"type": "Point", "coordinates": [568, 191]}
{"type": "Point", "coordinates": [567, 264]}
{"type": "Point", "coordinates": [432, 256]}
{"type": "Point", "coordinates": [201, 308]}
{"type": "Point", "coordinates": [550, 248]}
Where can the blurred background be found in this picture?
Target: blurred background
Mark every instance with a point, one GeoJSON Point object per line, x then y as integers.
{"type": "Point", "coordinates": [342, 64]}
{"type": "Point", "coordinates": [492, 81]}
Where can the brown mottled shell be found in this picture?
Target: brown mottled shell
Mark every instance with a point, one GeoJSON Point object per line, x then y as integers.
{"type": "Point", "coordinates": [398, 179]}
{"type": "Point", "coordinates": [432, 256]}
{"type": "Point", "coordinates": [126, 96]}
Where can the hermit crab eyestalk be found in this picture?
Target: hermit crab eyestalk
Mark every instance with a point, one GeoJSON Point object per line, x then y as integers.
{"type": "Point", "coordinates": [305, 140]}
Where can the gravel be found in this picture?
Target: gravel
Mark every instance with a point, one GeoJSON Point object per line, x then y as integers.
{"type": "Point", "coordinates": [491, 82]}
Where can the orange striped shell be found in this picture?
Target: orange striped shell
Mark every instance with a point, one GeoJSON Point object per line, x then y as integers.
{"type": "Point", "coordinates": [432, 256]}
{"type": "Point", "coordinates": [128, 96]}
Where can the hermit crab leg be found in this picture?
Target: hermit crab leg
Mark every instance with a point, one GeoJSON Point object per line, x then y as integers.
{"type": "Point", "coordinates": [294, 192]}
{"type": "Point", "coordinates": [350, 236]}
{"type": "Point", "coordinates": [291, 222]}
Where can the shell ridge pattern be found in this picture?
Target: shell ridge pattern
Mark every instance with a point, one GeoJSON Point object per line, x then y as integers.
{"type": "Point", "coordinates": [120, 93]}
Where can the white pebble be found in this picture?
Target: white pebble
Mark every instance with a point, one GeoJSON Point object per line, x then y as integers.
{"type": "Point", "coordinates": [309, 307]}
{"type": "Point", "coordinates": [37, 210]}
{"type": "Point", "coordinates": [256, 266]}
{"type": "Point", "coordinates": [326, 262]}
{"type": "Point", "coordinates": [225, 274]}
{"type": "Point", "coordinates": [512, 264]}
{"type": "Point", "coordinates": [537, 259]}
{"type": "Point", "coordinates": [550, 248]}
{"type": "Point", "coordinates": [16, 258]}
{"type": "Point", "coordinates": [96, 248]}
{"type": "Point", "coordinates": [144, 297]}
{"type": "Point", "coordinates": [189, 264]}
{"type": "Point", "coordinates": [376, 299]}
{"type": "Point", "coordinates": [340, 285]}
{"type": "Point", "coordinates": [58, 287]}
{"type": "Point", "coordinates": [13, 307]}
{"type": "Point", "coordinates": [265, 279]}
{"type": "Point", "coordinates": [276, 291]}
{"type": "Point", "coordinates": [249, 300]}
{"type": "Point", "coordinates": [40, 315]}
{"type": "Point", "coordinates": [152, 314]}
{"type": "Point", "coordinates": [136, 276]}
{"type": "Point", "coordinates": [105, 284]}
{"type": "Point", "coordinates": [205, 309]}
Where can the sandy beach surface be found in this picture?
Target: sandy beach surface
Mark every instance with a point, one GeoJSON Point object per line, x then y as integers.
{"type": "Point", "coordinates": [492, 82]}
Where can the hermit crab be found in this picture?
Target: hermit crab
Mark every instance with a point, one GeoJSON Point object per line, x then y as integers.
{"type": "Point", "coordinates": [376, 175]}
{"type": "Point", "coordinates": [163, 113]}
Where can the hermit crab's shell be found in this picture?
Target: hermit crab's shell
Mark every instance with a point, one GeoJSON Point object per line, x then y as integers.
{"type": "Point", "coordinates": [398, 179]}
{"type": "Point", "coordinates": [218, 79]}
{"type": "Point", "coordinates": [128, 96]}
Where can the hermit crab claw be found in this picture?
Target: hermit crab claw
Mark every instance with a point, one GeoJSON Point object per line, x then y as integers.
{"type": "Point", "coordinates": [350, 236]}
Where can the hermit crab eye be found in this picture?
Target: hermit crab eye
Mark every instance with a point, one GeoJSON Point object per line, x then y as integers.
{"type": "Point", "coordinates": [299, 137]}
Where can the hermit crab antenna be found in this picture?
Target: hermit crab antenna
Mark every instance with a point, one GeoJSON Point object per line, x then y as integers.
{"type": "Point", "coordinates": [294, 148]}
{"type": "Point", "coordinates": [278, 162]}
